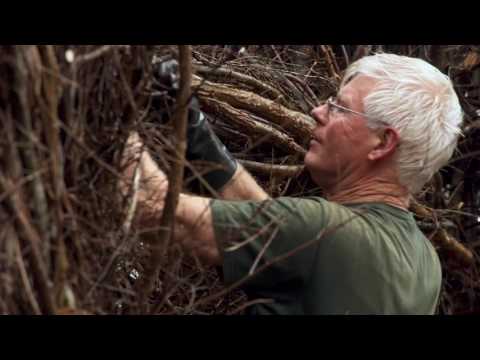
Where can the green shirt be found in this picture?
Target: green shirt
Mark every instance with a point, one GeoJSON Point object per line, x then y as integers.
{"type": "Point", "coordinates": [326, 258]}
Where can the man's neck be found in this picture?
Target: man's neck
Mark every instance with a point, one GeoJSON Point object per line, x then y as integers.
{"type": "Point", "coordinates": [370, 191]}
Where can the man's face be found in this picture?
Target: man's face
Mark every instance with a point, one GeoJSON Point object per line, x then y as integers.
{"type": "Point", "coordinates": [341, 140]}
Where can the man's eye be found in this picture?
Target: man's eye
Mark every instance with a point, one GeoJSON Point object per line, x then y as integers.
{"type": "Point", "coordinates": [334, 109]}
{"type": "Point", "coordinates": [337, 109]}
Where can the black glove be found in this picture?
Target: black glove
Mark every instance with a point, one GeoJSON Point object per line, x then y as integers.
{"type": "Point", "coordinates": [166, 76]}
{"type": "Point", "coordinates": [202, 143]}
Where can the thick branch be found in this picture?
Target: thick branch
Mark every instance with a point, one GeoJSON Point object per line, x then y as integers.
{"type": "Point", "coordinates": [460, 252]}
{"type": "Point", "coordinates": [272, 169]}
{"type": "Point", "coordinates": [331, 62]}
{"type": "Point", "coordinates": [27, 58]}
{"type": "Point", "coordinates": [24, 276]}
{"type": "Point", "coordinates": [441, 237]}
{"type": "Point", "coordinates": [296, 123]}
{"type": "Point", "coordinates": [30, 238]}
{"type": "Point", "coordinates": [52, 91]}
{"type": "Point", "coordinates": [99, 52]}
{"type": "Point", "coordinates": [248, 125]}
{"type": "Point", "coordinates": [265, 89]}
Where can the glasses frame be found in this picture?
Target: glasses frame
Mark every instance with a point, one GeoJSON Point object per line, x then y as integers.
{"type": "Point", "coordinates": [330, 103]}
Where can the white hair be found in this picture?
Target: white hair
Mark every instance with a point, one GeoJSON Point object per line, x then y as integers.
{"type": "Point", "coordinates": [417, 100]}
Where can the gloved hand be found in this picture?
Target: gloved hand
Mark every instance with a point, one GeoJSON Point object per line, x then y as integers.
{"type": "Point", "coordinates": [166, 76]}
{"type": "Point", "coordinates": [202, 143]}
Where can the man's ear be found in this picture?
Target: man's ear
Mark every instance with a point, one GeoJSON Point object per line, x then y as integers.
{"type": "Point", "coordinates": [386, 143]}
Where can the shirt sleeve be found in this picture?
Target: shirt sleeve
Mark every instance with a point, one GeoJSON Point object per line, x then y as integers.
{"type": "Point", "coordinates": [274, 240]}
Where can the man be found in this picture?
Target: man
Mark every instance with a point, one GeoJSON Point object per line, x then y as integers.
{"type": "Point", "coordinates": [393, 124]}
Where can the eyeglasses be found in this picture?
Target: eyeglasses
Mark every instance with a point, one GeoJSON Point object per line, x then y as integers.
{"type": "Point", "coordinates": [332, 104]}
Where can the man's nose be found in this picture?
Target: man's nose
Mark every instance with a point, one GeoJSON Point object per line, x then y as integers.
{"type": "Point", "coordinates": [320, 115]}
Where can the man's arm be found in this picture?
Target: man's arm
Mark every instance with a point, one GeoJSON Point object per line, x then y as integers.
{"type": "Point", "coordinates": [242, 186]}
{"type": "Point", "coordinates": [231, 181]}
{"type": "Point", "coordinates": [194, 228]}
{"type": "Point", "coordinates": [193, 217]}
{"type": "Point", "coordinates": [194, 222]}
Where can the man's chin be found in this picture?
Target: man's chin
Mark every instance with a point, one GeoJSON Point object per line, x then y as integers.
{"type": "Point", "coordinates": [309, 159]}
{"type": "Point", "coordinates": [311, 170]}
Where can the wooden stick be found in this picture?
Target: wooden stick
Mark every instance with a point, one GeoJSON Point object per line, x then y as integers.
{"type": "Point", "coordinates": [459, 251]}
{"type": "Point", "coordinates": [265, 89]}
{"type": "Point", "coordinates": [53, 91]}
{"type": "Point", "coordinates": [24, 276]}
{"type": "Point", "coordinates": [29, 236]}
{"type": "Point", "coordinates": [99, 52]}
{"type": "Point", "coordinates": [331, 62]}
{"type": "Point", "coordinates": [297, 124]}
{"type": "Point", "coordinates": [28, 59]}
{"type": "Point", "coordinates": [160, 244]}
{"type": "Point", "coordinates": [272, 169]}
{"type": "Point", "coordinates": [31, 239]}
{"type": "Point", "coordinates": [247, 124]}
{"type": "Point", "coordinates": [441, 237]}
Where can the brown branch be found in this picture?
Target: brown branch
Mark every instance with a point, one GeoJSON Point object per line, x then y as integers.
{"type": "Point", "coordinates": [471, 61]}
{"type": "Point", "coordinates": [302, 86]}
{"type": "Point", "coordinates": [53, 91]}
{"type": "Point", "coordinates": [440, 236]}
{"type": "Point", "coordinates": [242, 120]}
{"type": "Point", "coordinates": [458, 250]}
{"type": "Point", "coordinates": [89, 152]}
{"type": "Point", "coordinates": [27, 58]}
{"type": "Point", "coordinates": [272, 169]}
{"type": "Point", "coordinates": [24, 276]}
{"type": "Point", "coordinates": [296, 123]}
{"type": "Point", "coordinates": [303, 104]}
{"type": "Point", "coordinates": [345, 55]}
{"type": "Point", "coordinates": [31, 239]}
{"type": "Point", "coordinates": [159, 246]}
{"type": "Point", "coordinates": [99, 52]}
{"type": "Point", "coordinates": [464, 157]}
{"type": "Point", "coordinates": [132, 111]}
{"type": "Point", "coordinates": [331, 62]}
{"type": "Point", "coordinates": [438, 56]}
{"type": "Point", "coordinates": [474, 125]}
{"type": "Point", "coordinates": [361, 51]}
{"type": "Point", "coordinates": [265, 89]}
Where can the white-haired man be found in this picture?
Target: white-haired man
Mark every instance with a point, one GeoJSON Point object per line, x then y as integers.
{"type": "Point", "coordinates": [393, 124]}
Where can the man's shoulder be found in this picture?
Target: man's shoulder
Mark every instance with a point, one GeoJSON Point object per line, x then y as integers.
{"type": "Point", "coordinates": [369, 228]}
{"type": "Point", "coordinates": [313, 204]}
{"type": "Point", "coordinates": [386, 235]}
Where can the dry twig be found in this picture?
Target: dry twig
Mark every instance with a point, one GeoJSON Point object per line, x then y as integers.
{"type": "Point", "coordinates": [160, 245]}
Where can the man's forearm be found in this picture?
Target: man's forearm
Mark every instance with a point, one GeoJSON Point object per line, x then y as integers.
{"type": "Point", "coordinates": [193, 216]}
{"type": "Point", "coordinates": [193, 219]}
{"type": "Point", "coordinates": [194, 228]}
{"type": "Point", "coordinates": [194, 222]}
{"type": "Point", "coordinates": [242, 186]}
